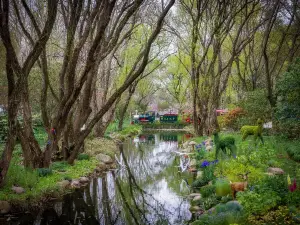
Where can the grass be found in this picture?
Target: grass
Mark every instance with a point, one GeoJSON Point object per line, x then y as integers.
{"type": "Point", "coordinates": [38, 187]}
{"type": "Point", "coordinates": [42, 183]}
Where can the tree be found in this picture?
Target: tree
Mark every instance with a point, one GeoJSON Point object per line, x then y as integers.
{"type": "Point", "coordinates": [212, 37]}
{"type": "Point", "coordinates": [17, 73]}
{"type": "Point", "coordinates": [287, 108]}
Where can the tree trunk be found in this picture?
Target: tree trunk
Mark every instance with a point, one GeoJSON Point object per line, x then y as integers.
{"type": "Point", "coordinates": [12, 110]}
{"type": "Point", "coordinates": [123, 112]}
{"type": "Point", "coordinates": [30, 146]}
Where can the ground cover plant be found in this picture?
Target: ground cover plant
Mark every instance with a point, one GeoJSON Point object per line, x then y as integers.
{"type": "Point", "coordinates": [268, 198]}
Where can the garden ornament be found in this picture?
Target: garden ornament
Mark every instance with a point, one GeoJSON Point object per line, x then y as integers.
{"type": "Point", "coordinates": [224, 143]}
{"type": "Point", "coordinates": [253, 130]}
{"type": "Point", "coordinates": [239, 186]}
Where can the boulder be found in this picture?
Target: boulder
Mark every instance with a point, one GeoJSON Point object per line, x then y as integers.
{"type": "Point", "coordinates": [192, 169]}
{"type": "Point", "coordinates": [75, 184]}
{"type": "Point", "coordinates": [192, 195]}
{"type": "Point", "coordinates": [63, 184]}
{"type": "Point", "coordinates": [104, 158]}
{"type": "Point", "coordinates": [191, 143]}
{"type": "Point", "coordinates": [83, 180]}
{"type": "Point", "coordinates": [185, 144]}
{"type": "Point", "coordinates": [193, 163]}
{"type": "Point", "coordinates": [275, 170]}
{"type": "Point", "coordinates": [195, 208]}
{"type": "Point", "coordinates": [18, 190]}
{"type": "Point", "coordinates": [5, 207]}
{"type": "Point", "coordinates": [196, 198]}
{"type": "Point", "coordinates": [199, 174]}
{"type": "Point", "coordinates": [208, 148]}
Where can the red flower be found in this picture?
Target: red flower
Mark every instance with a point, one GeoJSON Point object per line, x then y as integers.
{"type": "Point", "coordinates": [293, 186]}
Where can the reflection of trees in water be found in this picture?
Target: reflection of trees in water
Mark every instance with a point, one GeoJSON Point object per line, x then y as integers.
{"type": "Point", "coordinates": [116, 199]}
{"type": "Point", "coordinates": [137, 202]}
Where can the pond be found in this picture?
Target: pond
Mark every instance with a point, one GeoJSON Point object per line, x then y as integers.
{"type": "Point", "coordinates": [147, 188]}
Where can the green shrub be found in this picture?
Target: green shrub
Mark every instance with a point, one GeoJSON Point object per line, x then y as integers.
{"type": "Point", "coordinates": [199, 183]}
{"type": "Point", "coordinates": [207, 190]}
{"type": "Point", "coordinates": [293, 198]}
{"type": "Point", "coordinates": [18, 175]}
{"type": "Point", "coordinates": [276, 184]}
{"type": "Point", "coordinates": [231, 119]}
{"type": "Point", "coordinates": [83, 157]}
{"type": "Point", "coordinates": [294, 152]}
{"type": "Point", "coordinates": [278, 216]}
{"type": "Point", "coordinates": [288, 100]}
{"type": "Point", "coordinates": [222, 187]}
{"type": "Point", "coordinates": [209, 202]}
{"type": "Point", "coordinates": [256, 105]}
{"type": "Point", "coordinates": [258, 203]}
{"type": "Point", "coordinates": [3, 128]}
{"type": "Point", "coordinates": [233, 206]}
{"type": "Point", "coordinates": [59, 165]}
{"type": "Point", "coordinates": [43, 172]}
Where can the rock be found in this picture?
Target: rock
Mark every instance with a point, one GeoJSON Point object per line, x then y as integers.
{"type": "Point", "coordinates": [192, 195]}
{"type": "Point", "coordinates": [195, 208]}
{"type": "Point", "coordinates": [275, 170]}
{"type": "Point", "coordinates": [98, 170]}
{"type": "Point", "coordinates": [196, 198]}
{"type": "Point", "coordinates": [199, 174]}
{"type": "Point", "coordinates": [186, 150]}
{"type": "Point", "coordinates": [185, 144]}
{"type": "Point", "coordinates": [193, 163]}
{"type": "Point", "coordinates": [192, 169]}
{"type": "Point", "coordinates": [5, 207]}
{"type": "Point", "coordinates": [101, 166]}
{"type": "Point", "coordinates": [192, 143]}
{"type": "Point", "coordinates": [104, 158]}
{"type": "Point", "coordinates": [75, 184]}
{"type": "Point", "coordinates": [18, 190]}
{"type": "Point", "coordinates": [269, 174]}
{"type": "Point", "coordinates": [208, 148]}
{"type": "Point", "coordinates": [83, 180]}
{"type": "Point", "coordinates": [63, 184]}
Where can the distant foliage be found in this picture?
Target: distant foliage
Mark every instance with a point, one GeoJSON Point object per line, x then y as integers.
{"type": "Point", "coordinates": [288, 101]}
{"type": "Point", "coordinates": [232, 118]}
{"type": "Point", "coordinates": [256, 105]}
{"type": "Point", "coordinates": [3, 128]}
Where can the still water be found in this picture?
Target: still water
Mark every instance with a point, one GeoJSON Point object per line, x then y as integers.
{"type": "Point", "coordinates": [147, 188]}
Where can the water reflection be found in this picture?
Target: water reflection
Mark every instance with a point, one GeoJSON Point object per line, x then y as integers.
{"type": "Point", "coordinates": [146, 189]}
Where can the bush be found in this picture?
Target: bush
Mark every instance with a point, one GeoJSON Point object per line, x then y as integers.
{"type": "Point", "coordinates": [83, 157]}
{"type": "Point", "coordinates": [294, 152]}
{"type": "Point", "coordinates": [288, 100]}
{"type": "Point", "coordinates": [59, 165]}
{"type": "Point", "coordinates": [222, 187]}
{"type": "Point", "coordinates": [207, 190]}
{"type": "Point", "coordinates": [43, 172]}
{"type": "Point", "coordinates": [258, 203]}
{"type": "Point", "coordinates": [279, 216]}
{"type": "Point", "coordinates": [231, 119]}
{"type": "Point", "coordinates": [256, 105]}
{"type": "Point", "coordinates": [276, 184]}
{"type": "Point", "coordinates": [18, 175]}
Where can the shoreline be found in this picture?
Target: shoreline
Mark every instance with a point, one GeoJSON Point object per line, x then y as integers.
{"type": "Point", "coordinates": [62, 181]}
